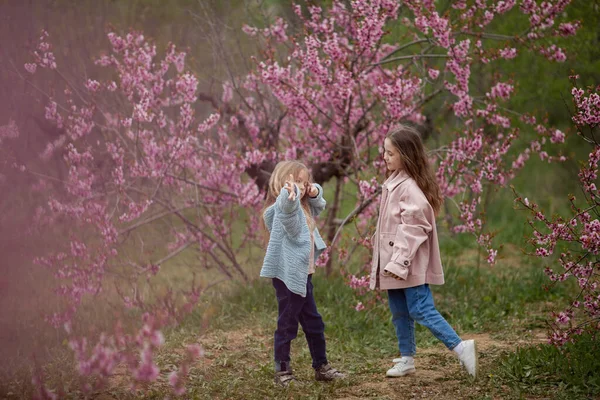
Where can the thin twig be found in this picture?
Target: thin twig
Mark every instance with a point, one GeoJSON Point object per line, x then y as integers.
{"type": "Point", "coordinates": [202, 186]}
{"type": "Point", "coordinates": [355, 212]}
{"type": "Point", "coordinates": [411, 57]}
{"type": "Point", "coordinates": [494, 36]}
{"type": "Point", "coordinates": [153, 218]}
{"type": "Point", "coordinates": [174, 253]}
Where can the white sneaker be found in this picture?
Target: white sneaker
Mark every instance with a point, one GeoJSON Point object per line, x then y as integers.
{"type": "Point", "coordinates": [402, 367]}
{"type": "Point", "coordinates": [468, 358]}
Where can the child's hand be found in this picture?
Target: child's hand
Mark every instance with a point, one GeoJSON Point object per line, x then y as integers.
{"type": "Point", "coordinates": [289, 185]}
{"type": "Point", "coordinates": [312, 190]}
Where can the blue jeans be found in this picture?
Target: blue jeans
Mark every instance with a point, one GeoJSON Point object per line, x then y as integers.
{"type": "Point", "coordinates": [416, 304]}
{"type": "Point", "coordinates": [294, 309]}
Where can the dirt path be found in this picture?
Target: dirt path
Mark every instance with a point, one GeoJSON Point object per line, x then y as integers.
{"type": "Point", "coordinates": [439, 375]}
{"type": "Point", "coordinates": [242, 358]}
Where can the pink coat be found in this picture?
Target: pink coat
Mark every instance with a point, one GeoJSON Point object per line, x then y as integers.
{"type": "Point", "coordinates": [405, 241]}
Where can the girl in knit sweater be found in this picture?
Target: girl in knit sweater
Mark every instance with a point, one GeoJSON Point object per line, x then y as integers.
{"type": "Point", "coordinates": [294, 244]}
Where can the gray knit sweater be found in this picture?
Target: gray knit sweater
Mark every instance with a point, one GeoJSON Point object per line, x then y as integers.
{"type": "Point", "coordinates": [289, 243]}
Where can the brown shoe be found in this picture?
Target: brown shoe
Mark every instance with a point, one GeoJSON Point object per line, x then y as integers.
{"type": "Point", "coordinates": [327, 373]}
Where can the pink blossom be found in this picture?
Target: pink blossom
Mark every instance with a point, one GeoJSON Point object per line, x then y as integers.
{"type": "Point", "coordinates": [508, 53]}
{"type": "Point", "coordinates": [588, 108]}
{"type": "Point", "coordinates": [562, 318]}
{"type": "Point", "coordinates": [492, 256]}
{"type": "Point", "coordinates": [504, 6]}
{"type": "Point", "coordinates": [227, 92]}
{"type": "Point", "coordinates": [209, 123]}
{"type": "Point", "coordinates": [568, 29]}
{"type": "Point", "coordinates": [92, 85]}
{"type": "Point", "coordinates": [44, 57]}
{"type": "Point", "coordinates": [186, 85]}
{"type": "Point", "coordinates": [53, 115]}
{"type": "Point", "coordinates": [590, 236]}
{"type": "Point", "coordinates": [554, 53]}
{"type": "Point", "coordinates": [250, 31]}
{"type": "Point", "coordinates": [501, 90]}
{"type": "Point", "coordinates": [276, 31]}
{"type": "Point", "coordinates": [178, 59]}
{"type": "Point", "coordinates": [557, 137]}
{"type": "Point", "coordinates": [323, 258]}
{"type": "Point", "coordinates": [174, 379]}
{"type": "Point", "coordinates": [9, 131]}
{"type": "Point", "coordinates": [357, 283]}
{"type": "Point", "coordinates": [195, 351]}
{"type": "Point", "coordinates": [147, 371]}
{"type": "Point", "coordinates": [30, 67]}
{"type": "Point", "coordinates": [368, 188]}
{"type": "Point", "coordinates": [135, 210]}
{"type": "Point", "coordinates": [459, 4]}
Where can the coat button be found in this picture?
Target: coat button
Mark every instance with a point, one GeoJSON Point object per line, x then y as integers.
{"type": "Point", "coordinates": [406, 262]}
{"type": "Point", "coordinates": [391, 243]}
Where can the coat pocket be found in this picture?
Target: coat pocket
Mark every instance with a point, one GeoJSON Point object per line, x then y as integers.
{"type": "Point", "coordinates": [386, 247]}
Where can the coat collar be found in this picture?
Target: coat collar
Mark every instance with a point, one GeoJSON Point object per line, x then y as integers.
{"type": "Point", "coordinates": [395, 179]}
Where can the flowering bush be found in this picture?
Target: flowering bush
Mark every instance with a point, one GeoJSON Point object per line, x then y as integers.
{"type": "Point", "coordinates": [575, 238]}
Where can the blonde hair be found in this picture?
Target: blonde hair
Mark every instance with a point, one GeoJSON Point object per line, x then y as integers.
{"type": "Point", "coordinates": [414, 161]}
{"type": "Point", "coordinates": [279, 176]}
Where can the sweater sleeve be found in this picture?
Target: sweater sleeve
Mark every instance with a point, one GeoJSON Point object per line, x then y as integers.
{"type": "Point", "coordinates": [411, 233]}
{"type": "Point", "coordinates": [288, 215]}
{"type": "Point", "coordinates": [268, 218]}
{"type": "Point", "coordinates": [317, 204]}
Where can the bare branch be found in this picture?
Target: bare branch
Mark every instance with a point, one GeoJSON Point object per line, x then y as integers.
{"type": "Point", "coordinates": [411, 57]}
{"type": "Point", "coordinates": [174, 253]}
{"type": "Point", "coordinates": [365, 203]}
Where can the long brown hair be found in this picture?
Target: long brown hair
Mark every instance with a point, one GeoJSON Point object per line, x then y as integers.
{"type": "Point", "coordinates": [280, 174]}
{"type": "Point", "coordinates": [408, 142]}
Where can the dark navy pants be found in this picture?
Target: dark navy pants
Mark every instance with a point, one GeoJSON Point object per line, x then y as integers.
{"type": "Point", "coordinates": [294, 309]}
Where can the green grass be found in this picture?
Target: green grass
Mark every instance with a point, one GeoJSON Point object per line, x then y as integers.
{"type": "Point", "coordinates": [574, 371]}
{"type": "Point", "coordinates": [505, 302]}
{"type": "Point", "coordinates": [473, 300]}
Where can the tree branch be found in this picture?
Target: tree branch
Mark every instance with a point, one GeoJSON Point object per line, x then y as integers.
{"type": "Point", "coordinates": [355, 212]}
{"type": "Point", "coordinates": [411, 57]}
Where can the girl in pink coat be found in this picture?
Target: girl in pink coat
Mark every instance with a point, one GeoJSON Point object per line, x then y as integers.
{"type": "Point", "coordinates": [406, 254]}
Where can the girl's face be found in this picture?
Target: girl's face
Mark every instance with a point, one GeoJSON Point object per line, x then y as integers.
{"type": "Point", "coordinates": [302, 182]}
{"type": "Point", "coordinates": [391, 156]}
